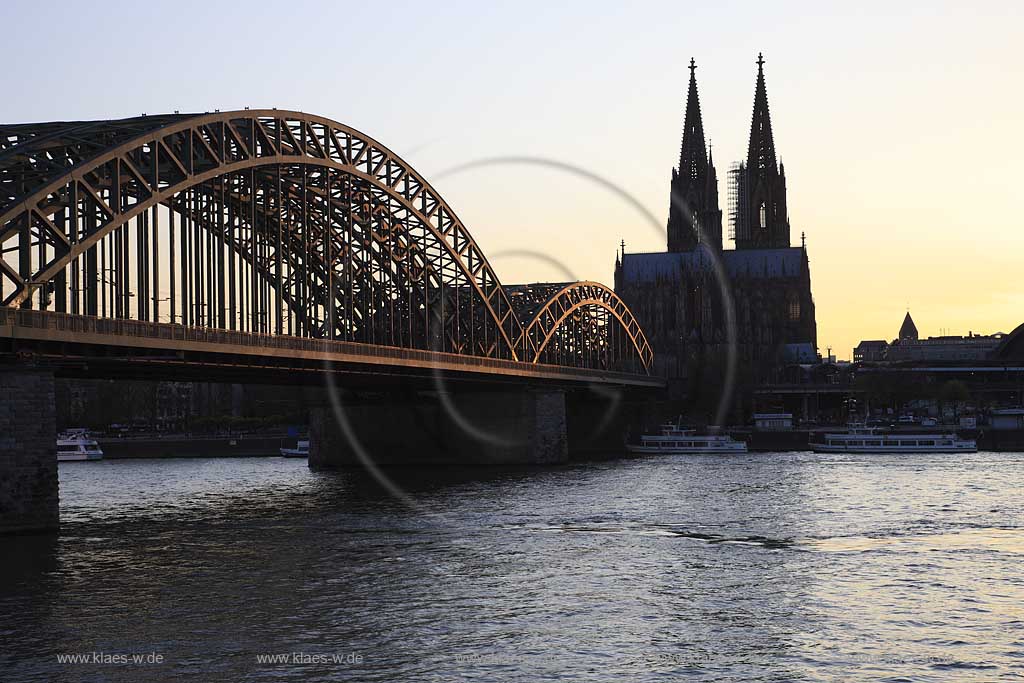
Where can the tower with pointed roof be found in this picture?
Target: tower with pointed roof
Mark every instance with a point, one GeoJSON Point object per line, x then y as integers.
{"type": "Point", "coordinates": [694, 216]}
{"type": "Point", "coordinates": [761, 220]}
{"type": "Point", "coordinates": [908, 330]}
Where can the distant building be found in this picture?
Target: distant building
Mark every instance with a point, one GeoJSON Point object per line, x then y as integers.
{"type": "Point", "coordinates": [173, 404]}
{"type": "Point", "coordinates": [909, 347]}
{"type": "Point", "coordinates": [974, 347]}
{"type": "Point", "coordinates": [870, 351]}
{"type": "Point", "coordinates": [677, 295]}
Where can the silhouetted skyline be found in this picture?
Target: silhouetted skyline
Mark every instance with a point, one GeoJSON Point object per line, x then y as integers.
{"type": "Point", "coordinates": [897, 125]}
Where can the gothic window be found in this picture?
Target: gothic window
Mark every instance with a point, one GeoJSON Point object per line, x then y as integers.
{"type": "Point", "coordinates": [794, 309]}
{"type": "Point", "coordinates": [763, 217]}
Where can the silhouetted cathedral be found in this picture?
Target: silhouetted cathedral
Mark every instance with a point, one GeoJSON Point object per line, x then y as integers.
{"type": "Point", "coordinates": [677, 295]}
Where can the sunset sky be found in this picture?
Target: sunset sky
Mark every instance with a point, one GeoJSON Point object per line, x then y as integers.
{"type": "Point", "coordinates": [901, 125]}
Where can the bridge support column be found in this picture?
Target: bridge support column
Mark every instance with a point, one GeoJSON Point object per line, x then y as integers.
{"type": "Point", "coordinates": [28, 451]}
{"type": "Point", "coordinates": [482, 428]}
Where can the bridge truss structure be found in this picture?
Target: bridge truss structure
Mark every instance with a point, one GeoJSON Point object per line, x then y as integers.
{"type": "Point", "coordinates": [274, 223]}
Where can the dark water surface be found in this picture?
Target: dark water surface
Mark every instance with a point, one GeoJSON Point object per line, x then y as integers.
{"type": "Point", "coordinates": [762, 567]}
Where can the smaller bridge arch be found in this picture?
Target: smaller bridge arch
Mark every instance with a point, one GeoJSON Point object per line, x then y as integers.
{"type": "Point", "coordinates": [582, 319]}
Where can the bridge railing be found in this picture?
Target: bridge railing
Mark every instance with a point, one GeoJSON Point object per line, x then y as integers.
{"type": "Point", "coordinates": [138, 329]}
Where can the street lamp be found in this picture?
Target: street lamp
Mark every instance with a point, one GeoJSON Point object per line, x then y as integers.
{"type": "Point", "coordinates": [199, 315]}
{"type": "Point", "coordinates": [157, 301]}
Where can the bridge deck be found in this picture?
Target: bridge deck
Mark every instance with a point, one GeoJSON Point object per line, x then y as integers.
{"type": "Point", "coordinates": [71, 337]}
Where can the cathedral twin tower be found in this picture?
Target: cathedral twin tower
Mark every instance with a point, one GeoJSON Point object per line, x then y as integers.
{"type": "Point", "coordinates": [758, 187]}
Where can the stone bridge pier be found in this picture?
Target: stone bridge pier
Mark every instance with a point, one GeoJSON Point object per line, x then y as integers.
{"type": "Point", "coordinates": [521, 426]}
{"type": "Point", "coordinates": [28, 451]}
{"type": "Point", "coordinates": [419, 427]}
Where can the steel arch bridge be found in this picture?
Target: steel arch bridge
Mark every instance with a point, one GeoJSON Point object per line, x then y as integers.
{"type": "Point", "coordinates": [274, 223]}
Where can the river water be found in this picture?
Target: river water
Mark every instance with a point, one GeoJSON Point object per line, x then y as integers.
{"type": "Point", "coordinates": [761, 567]}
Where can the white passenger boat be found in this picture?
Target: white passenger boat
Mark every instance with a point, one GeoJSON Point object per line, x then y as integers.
{"type": "Point", "coordinates": [301, 450]}
{"type": "Point", "coordinates": [860, 439]}
{"type": "Point", "coordinates": [674, 440]}
{"type": "Point", "coordinates": [75, 445]}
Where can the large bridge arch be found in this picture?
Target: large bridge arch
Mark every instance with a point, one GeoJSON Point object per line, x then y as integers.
{"type": "Point", "coordinates": [151, 161]}
{"type": "Point", "coordinates": [268, 221]}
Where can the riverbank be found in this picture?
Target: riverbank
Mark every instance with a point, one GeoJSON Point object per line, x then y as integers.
{"type": "Point", "coordinates": [204, 446]}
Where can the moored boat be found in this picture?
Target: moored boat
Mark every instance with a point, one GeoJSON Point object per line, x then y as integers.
{"type": "Point", "coordinates": [301, 450]}
{"type": "Point", "coordinates": [861, 439]}
{"type": "Point", "coordinates": [75, 445]}
{"type": "Point", "coordinates": [674, 440]}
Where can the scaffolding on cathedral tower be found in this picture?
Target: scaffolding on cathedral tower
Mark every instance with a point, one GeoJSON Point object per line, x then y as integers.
{"type": "Point", "coordinates": [736, 202]}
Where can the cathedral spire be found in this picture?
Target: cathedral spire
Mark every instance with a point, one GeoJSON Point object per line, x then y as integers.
{"type": "Point", "coordinates": [694, 216]}
{"type": "Point", "coordinates": [693, 160]}
{"type": "Point", "coordinates": [761, 151]}
{"type": "Point", "coordinates": [762, 221]}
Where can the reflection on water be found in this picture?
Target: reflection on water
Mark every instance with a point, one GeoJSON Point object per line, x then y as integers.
{"type": "Point", "coordinates": [996, 540]}
{"type": "Point", "coordinates": [770, 567]}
